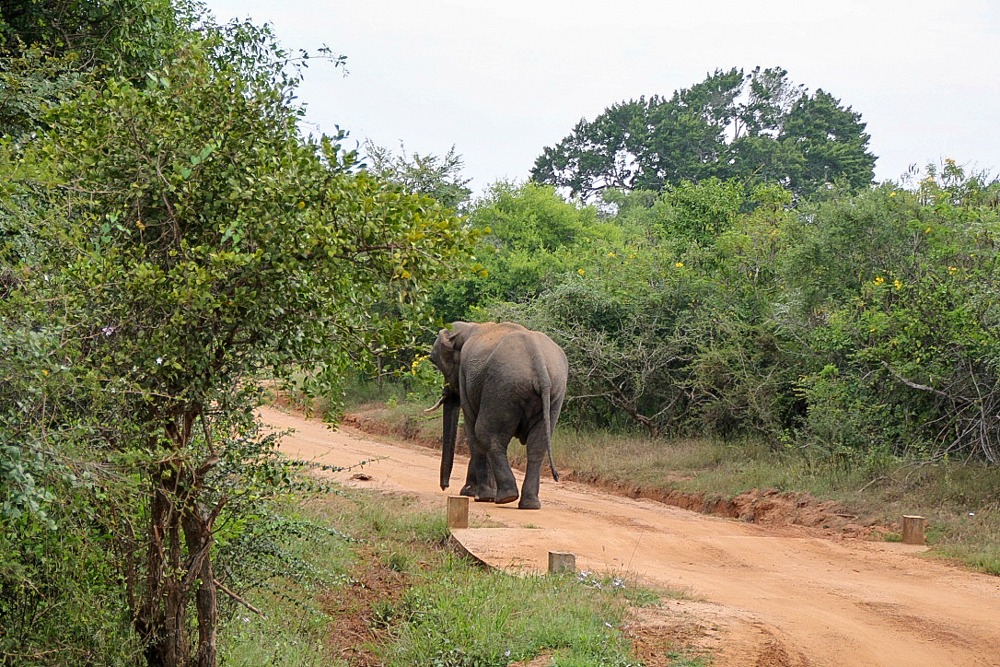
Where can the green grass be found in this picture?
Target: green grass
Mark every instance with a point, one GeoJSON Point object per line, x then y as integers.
{"type": "Point", "coordinates": [293, 628]}
{"type": "Point", "coordinates": [466, 616]}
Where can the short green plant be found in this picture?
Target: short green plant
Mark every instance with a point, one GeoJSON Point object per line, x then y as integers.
{"type": "Point", "coordinates": [463, 616]}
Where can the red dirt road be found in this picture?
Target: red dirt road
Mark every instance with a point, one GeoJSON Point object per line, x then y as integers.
{"type": "Point", "coordinates": [759, 596]}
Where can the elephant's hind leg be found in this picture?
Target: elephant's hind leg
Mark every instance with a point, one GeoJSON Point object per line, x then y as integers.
{"type": "Point", "coordinates": [537, 448]}
{"type": "Point", "coordinates": [479, 483]}
{"type": "Point", "coordinates": [506, 484]}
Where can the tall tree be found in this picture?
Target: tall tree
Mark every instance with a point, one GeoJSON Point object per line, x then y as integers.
{"type": "Point", "coordinates": [759, 127]}
{"type": "Point", "coordinates": [829, 142]}
{"type": "Point", "coordinates": [599, 154]}
{"type": "Point", "coordinates": [167, 240]}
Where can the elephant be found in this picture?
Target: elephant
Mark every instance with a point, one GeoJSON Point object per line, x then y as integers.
{"type": "Point", "coordinates": [509, 382]}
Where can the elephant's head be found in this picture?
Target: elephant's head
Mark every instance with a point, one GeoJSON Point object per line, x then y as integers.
{"type": "Point", "coordinates": [446, 355]}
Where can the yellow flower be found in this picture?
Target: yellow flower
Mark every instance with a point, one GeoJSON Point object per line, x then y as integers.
{"type": "Point", "coordinates": [892, 194]}
{"type": "Point", "coordinates": [679, 265]}
{"type": "Point", "coordinates": [415, 366]}
{"type": "Point", "coordinates": [927, 231]}
{"type": "Point", "coordinates": [611, 254]}
{"type": "Point", "coordinates": [580, 271]}
{"type": "Point", "coordinates": [878, 280]}
{"type": "Point", "coordinates": [952, 270]}
{"type": "Point", "coordinates": [897, 283]}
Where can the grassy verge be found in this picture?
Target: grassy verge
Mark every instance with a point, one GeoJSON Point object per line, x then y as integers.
{"type": "Point", "coordinates": [394, 594]}
{"type": "Point", "coordinates": [959, 499]}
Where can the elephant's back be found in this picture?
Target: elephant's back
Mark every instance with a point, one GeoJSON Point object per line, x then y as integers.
{"type": "Point", "coordinates": [524, 359]}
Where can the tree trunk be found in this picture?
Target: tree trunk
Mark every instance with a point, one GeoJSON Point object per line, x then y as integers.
{"type": "Point", "coordinates": [198, 534]}
{"type": "Point", "coordinates": [161, 619]}
{"type": "Point", "coordinates": [179, 557]}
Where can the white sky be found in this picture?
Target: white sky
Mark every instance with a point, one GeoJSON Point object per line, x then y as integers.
{"type": "Point", "coordinates": [501, 80]}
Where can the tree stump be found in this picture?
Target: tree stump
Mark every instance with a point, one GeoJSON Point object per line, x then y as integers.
{"type": "Point", "coordinates": [458, 512]}
{"type": "Point", "coordinates": [913, 529]}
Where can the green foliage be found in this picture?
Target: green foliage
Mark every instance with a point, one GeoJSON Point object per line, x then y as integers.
{"type": "Point", "coordinates": [296, 555]}
{"type": "Point", "coordinates": [756, 127]}
{"type": "Point", "coordinates": [60, 598]}
{"type": "Point", "coordinates": [528, 238]}
{"type": "Point", "coordinates": [856, 327]}
{"type": "Point", "coordinates": [435, 176]}
{"type": "Point", "coordinates": [165, 239]}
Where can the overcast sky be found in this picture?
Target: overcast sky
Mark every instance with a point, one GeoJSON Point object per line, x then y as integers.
{"type": "Point", "coordinates": [501, 80]}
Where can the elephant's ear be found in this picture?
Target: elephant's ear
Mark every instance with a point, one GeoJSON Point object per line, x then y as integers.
{"type": "Point", "coordinates": [460, 332]}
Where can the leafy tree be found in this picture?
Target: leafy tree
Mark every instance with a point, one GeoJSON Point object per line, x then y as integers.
{"type": "Point", "coordinates": [49, 46]}
{"type": "Point", "coordinates": [168, 241]}
{"type": "Point", "coordinates": [439, 177]}
{"type": "Point", "coordinates": [828, 143]}
{"type": "Point", "coordinates": [758, 127]}
{"type": "Point", "coordinates": [125, 37]}
{"type": "Point", "coordinates": [910, 349]}
{"type": "Point", "coordinates": [619, 327]}
{"type": "Point", "coordinates": [528, 238]}
{"type": "Point", "coordinates": [600, 154]}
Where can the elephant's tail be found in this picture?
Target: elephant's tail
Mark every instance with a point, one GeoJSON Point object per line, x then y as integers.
{"type": "Point", "coordinates": [546, 393]}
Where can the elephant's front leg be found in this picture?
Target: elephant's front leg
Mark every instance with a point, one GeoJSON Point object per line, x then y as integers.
{"type": "Point", "coordinates": [471, 483]}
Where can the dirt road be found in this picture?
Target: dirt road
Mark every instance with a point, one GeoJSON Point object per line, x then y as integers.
{"type": "Point", "coordinates": [758, 596]}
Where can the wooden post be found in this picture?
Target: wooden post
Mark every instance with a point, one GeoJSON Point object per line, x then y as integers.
{"type": "Point", "coordinates": [458, 512]}
{"type": "Point", "coordinates": [913, 529]}
{"type": "Point", "coordinates": [560, 561]}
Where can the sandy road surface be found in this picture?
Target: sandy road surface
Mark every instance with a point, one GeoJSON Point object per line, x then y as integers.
{"type": "Point", "coordinates": [771, 597]}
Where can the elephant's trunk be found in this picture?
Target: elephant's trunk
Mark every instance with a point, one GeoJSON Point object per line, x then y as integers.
{"type": "Point", "coordinates": [452, 408]}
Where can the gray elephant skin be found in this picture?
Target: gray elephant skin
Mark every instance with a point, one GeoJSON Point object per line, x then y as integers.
{"type": "Point", "coordinates": [509, 382]}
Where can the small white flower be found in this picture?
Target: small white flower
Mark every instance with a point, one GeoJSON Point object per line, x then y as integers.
{"type": "Point", "coordinates": [159, 361]}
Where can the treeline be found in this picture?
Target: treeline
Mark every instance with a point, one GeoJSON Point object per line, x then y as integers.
{"type": "Point", "coordinates": [860, 324]}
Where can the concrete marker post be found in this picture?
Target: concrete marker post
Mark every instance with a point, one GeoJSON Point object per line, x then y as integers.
{"type": "Point", "coordinates": [913, 529]}
{"type": "Point", "coordinates": [561, 561]}
{"type": "Point", "coordinates": [458, 512]}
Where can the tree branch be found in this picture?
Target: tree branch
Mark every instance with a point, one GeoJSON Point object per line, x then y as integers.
{"type": "Point", "coordinates": [222, 587]}
{"type": "Point", "coordinates": [914, 385]}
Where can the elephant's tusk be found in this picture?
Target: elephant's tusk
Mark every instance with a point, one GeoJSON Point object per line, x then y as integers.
{"type": "Point", "coordinates": [446, 393]}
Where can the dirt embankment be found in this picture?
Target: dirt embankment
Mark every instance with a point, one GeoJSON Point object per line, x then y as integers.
{"type": "Point", "coordinates": [767, 507]}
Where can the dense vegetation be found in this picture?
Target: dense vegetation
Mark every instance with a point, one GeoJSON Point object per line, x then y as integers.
{"type": "Point", "coordinates": [167, 235]}
{"type": "Point", "coordinates": [859, 324]}
{"type": "Point", "coordinates": [169, 240]}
